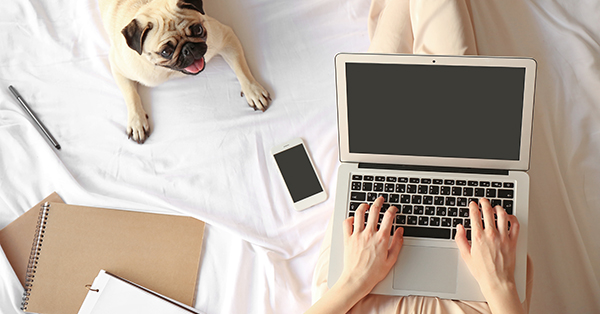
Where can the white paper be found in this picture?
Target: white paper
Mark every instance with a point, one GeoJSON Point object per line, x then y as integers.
{"type": "Point", "coordinates": [115, 295]}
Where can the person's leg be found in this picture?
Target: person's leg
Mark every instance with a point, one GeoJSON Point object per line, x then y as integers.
{"type": "Point", "coordinates": [389, 27]}
{"type": "Point", "coordinates": [442, 27]}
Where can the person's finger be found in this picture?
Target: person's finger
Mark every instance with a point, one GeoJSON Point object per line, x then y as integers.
{"type": "Point", "coordinates": [463, 244]}
{"type": "Point", "coordinates": [388, 220]}
{"type": "Point", "coordinates": [513, 234]}
{"type": "Point", "coordinates": [488, 215]}
{"type": "Point", "coordinates": [502, 221]}
{"type": "Point", "coordinates": [374, 214]}
{"type": "Point", "coordinates": [396, 245]}
{"type": "Point", "coordinates": [475, 216]}
{"type": "Point", "coordinates": [359, 217]}
{"type": "Point", "coordinates": [348, 227]}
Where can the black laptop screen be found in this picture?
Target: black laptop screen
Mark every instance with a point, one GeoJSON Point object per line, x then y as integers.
{"type": "Point", "coordinates": [435, 110]}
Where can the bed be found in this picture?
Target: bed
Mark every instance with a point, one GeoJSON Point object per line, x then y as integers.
{"type": "Point", "coordinates": [208, 153]}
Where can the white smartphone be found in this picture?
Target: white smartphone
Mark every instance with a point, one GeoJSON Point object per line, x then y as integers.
{"type": "Point", "coordinates": [299, 174]}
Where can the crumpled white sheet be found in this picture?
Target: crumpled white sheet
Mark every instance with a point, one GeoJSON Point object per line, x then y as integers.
{"type": "Point", "coordinates": [208, 154]}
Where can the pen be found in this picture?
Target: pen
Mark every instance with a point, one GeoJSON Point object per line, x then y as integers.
{"type": "Point", "coordinates": [34, 117]}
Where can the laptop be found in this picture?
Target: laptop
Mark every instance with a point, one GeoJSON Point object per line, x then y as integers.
{"type": "Point", "coordinates": [430, 134]}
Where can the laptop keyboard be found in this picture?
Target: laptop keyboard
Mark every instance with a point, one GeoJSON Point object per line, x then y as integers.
{"type": "Point", "coordinates": [428, 207]}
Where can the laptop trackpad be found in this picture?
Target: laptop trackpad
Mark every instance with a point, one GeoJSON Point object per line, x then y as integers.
{"type": "Point", "coordinates": [421, 268]}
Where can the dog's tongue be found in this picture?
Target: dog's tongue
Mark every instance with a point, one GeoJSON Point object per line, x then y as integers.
{"type": "Point", "coordinates": [196, 67]}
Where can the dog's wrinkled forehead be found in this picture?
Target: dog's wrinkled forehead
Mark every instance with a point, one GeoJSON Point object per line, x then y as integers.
{"type": "Point", "coordinates": [171, 21]}
{"type": "Point", "coordinates": [175, 19]}
{"type": "Point", "coordinates": [191, 4]}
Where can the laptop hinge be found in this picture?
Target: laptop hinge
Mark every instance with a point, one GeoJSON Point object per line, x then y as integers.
{"type": "Point", "coordinates": [433, 169]}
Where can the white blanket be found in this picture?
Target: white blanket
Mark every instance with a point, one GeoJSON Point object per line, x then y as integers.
{"type": "Point", "coordinates": [208, 153]}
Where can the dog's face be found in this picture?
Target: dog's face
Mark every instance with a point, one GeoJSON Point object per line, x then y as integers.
{"type": "Point", "coordinates": [170, 34]}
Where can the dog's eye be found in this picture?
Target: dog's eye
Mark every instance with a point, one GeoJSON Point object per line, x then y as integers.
{"type": "Point", "coordinates": [197, 30]}
{"type": "Point", "coordinates": [167, 53]}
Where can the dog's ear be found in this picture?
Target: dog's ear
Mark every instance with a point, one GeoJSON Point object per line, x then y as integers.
{"type": "Point", "coordinates": [135, 34]}
{"type": "Point", "coordinates": [191, 4]}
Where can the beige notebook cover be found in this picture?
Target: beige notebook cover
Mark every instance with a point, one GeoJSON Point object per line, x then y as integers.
{"type": "Point", "coordinates": [160, 252]}
{"type": "Point", "coordinates": [16, 238]}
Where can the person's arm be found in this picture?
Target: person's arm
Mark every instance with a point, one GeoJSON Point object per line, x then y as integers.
{"type": "Point", "coordinates": [369, 254]}
{"type": "Point", "coordinates": [491, 256]}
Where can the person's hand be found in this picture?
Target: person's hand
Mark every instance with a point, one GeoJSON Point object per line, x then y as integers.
{"type": "Point", "coordinates": [369, 254]}
{"type": "Point", "coordinates": [491, 256]}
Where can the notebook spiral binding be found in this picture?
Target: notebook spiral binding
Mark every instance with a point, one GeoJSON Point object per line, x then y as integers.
{"type": "Point", "coordinates": [34, 255]}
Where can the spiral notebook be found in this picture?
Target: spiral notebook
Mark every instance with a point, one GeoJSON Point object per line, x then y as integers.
{"type": "Point", "coordinates": [15, 238]}
{"type": "Point", "coordinates": [73, 243]}
{"type": "Point", "coordinates": [116, 295]}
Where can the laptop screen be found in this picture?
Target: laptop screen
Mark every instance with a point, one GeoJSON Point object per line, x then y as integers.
{"type": "Point", "coordinates": [435, 110]}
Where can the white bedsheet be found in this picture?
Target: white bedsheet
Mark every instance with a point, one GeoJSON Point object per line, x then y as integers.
{"type": "Point", "coordinates": [208, 154]}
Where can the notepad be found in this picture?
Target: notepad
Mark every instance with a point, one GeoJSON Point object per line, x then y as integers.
{"type": "Point", "coordinates": [16, 238]}
{"type": "Point", "coordinates": [116, 295]}
{"type": "Point", "coordinates": [73, 243]}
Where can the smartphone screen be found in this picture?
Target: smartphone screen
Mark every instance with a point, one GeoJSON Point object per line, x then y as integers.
{"type": "Point", "coordinates": [298, 173]}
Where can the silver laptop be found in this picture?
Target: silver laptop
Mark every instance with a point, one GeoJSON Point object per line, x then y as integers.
{"type": "Point", "coordinates": [430, 134]}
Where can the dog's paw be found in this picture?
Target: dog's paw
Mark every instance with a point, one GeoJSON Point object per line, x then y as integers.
{"type": "Point", "coordinates": [138, 128]}
{"type": "Point", "coordinates": [256, 96]}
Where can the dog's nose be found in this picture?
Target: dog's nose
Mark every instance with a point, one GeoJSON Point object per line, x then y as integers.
{"type": "Point", "coordinates": [194, 49]}
{"type": "Point", "coordinates": [186, 50]}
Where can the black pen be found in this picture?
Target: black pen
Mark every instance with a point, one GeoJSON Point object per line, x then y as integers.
{"type": "Point", "coordinates": [34, 117]}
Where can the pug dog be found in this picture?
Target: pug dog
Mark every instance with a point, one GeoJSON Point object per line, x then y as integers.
{"type": "Point", "coordinates": [155, 40]}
